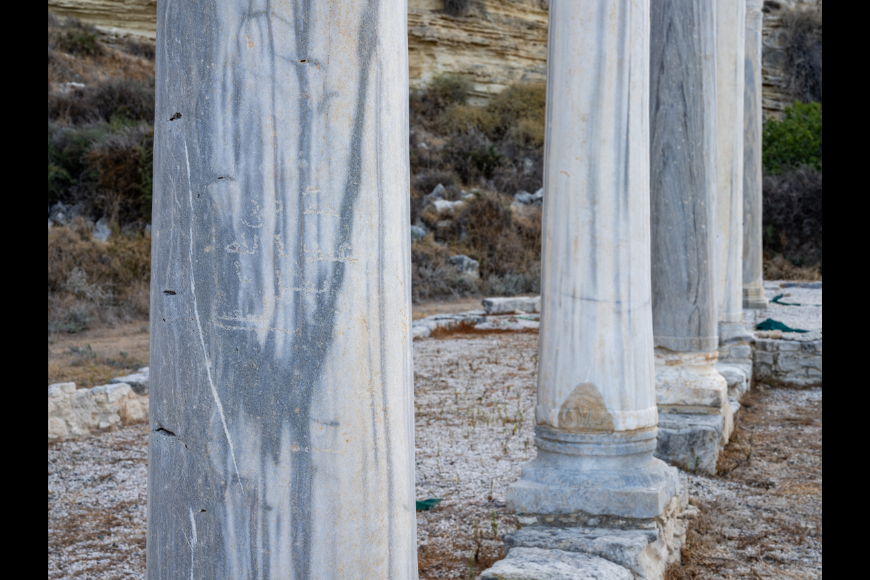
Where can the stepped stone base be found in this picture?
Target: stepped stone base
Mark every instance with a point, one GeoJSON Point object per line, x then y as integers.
{"type": "Point", "coordinates": [632, 548]}
{"type": "Point", "coordinates": [693, 441]}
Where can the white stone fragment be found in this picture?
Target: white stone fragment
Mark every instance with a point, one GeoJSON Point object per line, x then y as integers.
{"type": "Point", "coordinates": [538, 564]}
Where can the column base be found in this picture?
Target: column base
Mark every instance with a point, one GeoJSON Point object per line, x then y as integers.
{"type": "Point", "coordinates": [693, 441]}
{"type": "Point", "coordinates": [733, 332]}
{"type": "Point", "coordinates": [645, 551]}
{"type": "Point", "coordinates": [753, 297]}
{"type": "Point", "coordinates": [585, 474]}
{"type": "Point", "coordinates": [689, 380]}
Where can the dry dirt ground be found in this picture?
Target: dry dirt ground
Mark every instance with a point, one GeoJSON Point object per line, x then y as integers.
{"type": "Point", "coordinates": [474, 413]}
{"type": "Point", "coordinates": [92, 357]}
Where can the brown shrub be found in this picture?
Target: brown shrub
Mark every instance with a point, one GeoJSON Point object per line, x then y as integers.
{"type": "Point", "coordinates": [792, 216]}
{"type": "Point", "coordinates": [502, 240]}
{"type": "Point", "coordinates": [432, 274]}
{"type": "Point", "coordinates": [95, 282]}
{"type": "Point", "coordinates": [466, 329]}
{"type": "Point", "coordinates": [118, 161]}
{"type": "Point", "coordinates": [89, 66]}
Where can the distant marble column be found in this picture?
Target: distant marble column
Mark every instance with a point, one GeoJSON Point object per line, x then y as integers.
{"type": "Point", "coordinates": [753, 271]}
{"type": "Point", "coordinates": [596, 411]}
{"type": "Point", "coordinates": [683, 160]}
{"type": "Point", "coordinates": [731, 28]}
{"type": "Point", "coordinates": [281, 441]}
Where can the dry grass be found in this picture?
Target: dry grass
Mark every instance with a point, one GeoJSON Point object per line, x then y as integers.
{"type": "Point", "coordinates": [103, 64]}
{"type": "Point", "coordinates": [93, 357]}
{"type": "Point", "coordinates": [92, 283]}
{"type": "Point", "coordinates": [780, 268]}
{"type": "Point", "coordinates": [769, 523]}
{"type": "Point", "coordinates": [465, 329]}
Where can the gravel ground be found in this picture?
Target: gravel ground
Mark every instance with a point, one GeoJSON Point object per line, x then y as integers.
{"type": "Point", "coordinates": [807, 316]}
{"type": "Point", "coordinates": [474, 430]}
{"type": "Point", "coordinates": [762, 516]}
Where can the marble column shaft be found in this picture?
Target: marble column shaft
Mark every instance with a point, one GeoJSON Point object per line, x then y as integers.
{"type": "Point", "coordinates": [683, 137]}
{"type": "Point", "coordinates": [596, 412]}
{"type": "Point", "coordinates": [729, 98]}
{"type": "Point", "coordinates": [753, 266]}
{"type": "Point", "coordinates": [281, 419]}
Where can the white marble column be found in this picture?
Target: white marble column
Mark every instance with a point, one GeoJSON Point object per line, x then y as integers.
{"type": "Point", "coordinates": [281, 413]}
{"type": "Point", "coordinates": [683, 135]}
{"type": "Point", "coordinates": [753, 271]}
{"type": "Point", "coordinates": [596, 411]}
{"type": "Point", "coordinates": [731, 28]}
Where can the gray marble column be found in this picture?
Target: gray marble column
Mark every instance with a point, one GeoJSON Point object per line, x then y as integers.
{"type": "Point", "coordinates": [683, 196]}
{"type": "Point", "coordinates": [731, 27]}
{"type": "Point", "coordinates": [753, 271]}
{"type": "Point", "coordinates": [596, 411]}
{"type": "Point", "coordinates": [281, 441]}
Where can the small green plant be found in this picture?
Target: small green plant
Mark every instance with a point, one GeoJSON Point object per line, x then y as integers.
{"type": "Point", "coordinates": [795, 140]}
{"type": "Point", "coordinates": [79, 41]}
{"type": "Point", "coordinates": [449, 89]}
{"type": "Point", "coordinates": [82, 355]}
{"type": "Point", "coordinates": [75, 321]}
{"type": "Point", "coordinates": [486, 160]}
{"type": "Point", "coordinates": [494, 526]}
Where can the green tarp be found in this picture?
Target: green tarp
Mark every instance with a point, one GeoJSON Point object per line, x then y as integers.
{"type": "Point", "coordinates": [427, 504]}
{"type": "Point", "coordinates": [771, 324]}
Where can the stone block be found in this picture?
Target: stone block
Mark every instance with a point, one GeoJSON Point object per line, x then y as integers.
{"type": "Point", "coordinates": [138, 381]}
{"type": "Point", "coordinates": [538, 564]}
{"type": "Point", "coordinates": [420, 331]}
{"type": "Point", "coordinates": [762, 357]}
{"type": "Point", "coordinates": [632, 549]}
{"type": "Point", "coordinates": [814, 373]}
{"type": "Point", "coordinates": [788, 346]}
{"type": "Point", "coordinates": [466, 266]}
{"type": "Point", "coordinates": [763, 370]}
{"type": "Point", "coordinates": [818, 345]}
{"type": "Point", "coordinates": [739, 351]}
{"type": "Point", "coordinates": [690, 441]}
{"type": "Point", "coordinates": [765, 344]}
{"type": "Point", "coordinates": [812, 362]}
{"type": "Point", "coordinates": [61, 389]}
{"type": "Point", "coordinates": [518, 303]}
{"type": "Point", "coordinates": [790, 363]}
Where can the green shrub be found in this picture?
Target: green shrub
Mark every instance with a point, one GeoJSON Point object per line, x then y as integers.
{"type": "Point", "coordinates": [456, 7]}
{"type": "Point", "coordinates": [79, 41]}
{"type": "Point", "coordinates": [515, 114]}
{"type": "Point", "coordinates": [450, 89]}
{"type": "Point", "coordinates": [795, 140]}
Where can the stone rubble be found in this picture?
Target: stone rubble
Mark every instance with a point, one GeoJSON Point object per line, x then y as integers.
{"type": "Point", "coordinates": [74, 413]}
{"type": "Point", "coordinates": [138, 381]}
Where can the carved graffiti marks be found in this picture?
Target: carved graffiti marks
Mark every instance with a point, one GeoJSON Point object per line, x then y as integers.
{"type": "Point", "coordinates": [343, 254]}
{"type": "Point", "coordinates": [327, 210]}
{"type": "Point", "coordinates": [254, 216]}
{"type": "Point", "coordinates": [242, 247]}
{"type": "Point", "coordinates": [239, 273]}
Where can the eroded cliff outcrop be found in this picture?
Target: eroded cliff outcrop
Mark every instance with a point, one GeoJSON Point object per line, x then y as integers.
{"type": "Point", "coordinates": [494, 42]}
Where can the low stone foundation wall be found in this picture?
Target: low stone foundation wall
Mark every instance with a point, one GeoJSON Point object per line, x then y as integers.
{"type": "Point", "coordinates": [789, 362]}
{"type": "Point", "coordinates": [78, 412]}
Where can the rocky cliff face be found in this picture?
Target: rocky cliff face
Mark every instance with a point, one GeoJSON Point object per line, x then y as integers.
{"type": "Point", "coordinates": [775, 92]}
{"type": "Point", "coordinates": [137, 17]}
{"type": "Point", "coordinates": [495, 42]}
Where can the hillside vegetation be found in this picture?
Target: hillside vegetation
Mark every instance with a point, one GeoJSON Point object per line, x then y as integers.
{"type": "Point", "coordinates": [100, 141]}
